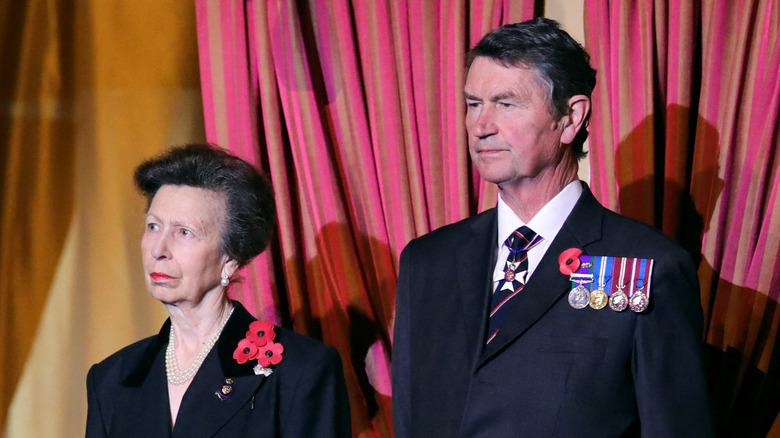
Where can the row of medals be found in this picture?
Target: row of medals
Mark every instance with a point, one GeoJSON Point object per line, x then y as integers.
{"type": "Point", "coordinates": [580, 297]}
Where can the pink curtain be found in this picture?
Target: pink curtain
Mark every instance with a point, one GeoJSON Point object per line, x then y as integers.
{"type": "Point", "coordinates": [685, 135]}
{"type": "Point", "coordinates": [355, 110]}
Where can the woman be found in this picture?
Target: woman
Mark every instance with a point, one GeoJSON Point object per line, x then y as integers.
{"type": "Point", "coordinates": [212, 371]}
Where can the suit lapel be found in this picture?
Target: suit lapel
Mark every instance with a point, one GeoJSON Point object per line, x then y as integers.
{"type": "Point", "coordinates": [149, 402]}
{"type": "Point", "coordinates": [547, 285]}
{"type": "Point", "coordinates": [145, 395]}
{"type": "Point", "coordinates": [202, 412]}
{"type": "Point", "coordinates": [474, 290]}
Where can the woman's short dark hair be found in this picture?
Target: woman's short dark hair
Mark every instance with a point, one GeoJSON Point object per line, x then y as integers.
{"type": "Point", "coordinates": [251, 211]}
{"type": "Point", "coordinates": [562, 64]}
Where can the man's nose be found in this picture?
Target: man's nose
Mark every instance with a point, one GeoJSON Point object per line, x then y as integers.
{"type": "Point", "coordinates": [484, 125]}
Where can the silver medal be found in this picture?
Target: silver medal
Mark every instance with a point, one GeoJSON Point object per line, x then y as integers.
{"type": "Point", "coordinates": [618, 301]}
{"type": "Point", "coordinates": [638, 302]}
{"type": "Point", "coordinates": [579, 297]}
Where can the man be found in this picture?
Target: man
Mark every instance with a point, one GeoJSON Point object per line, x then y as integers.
{"type": "Point", "coordinates": [494, 336]}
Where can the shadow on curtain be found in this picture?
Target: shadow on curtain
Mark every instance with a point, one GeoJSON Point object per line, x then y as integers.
{"type": "Point", "coordinates": [689, 143]}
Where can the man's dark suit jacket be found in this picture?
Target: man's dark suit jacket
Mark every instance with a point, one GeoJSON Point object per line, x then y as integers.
{"type": "Point", "coordinates": [552, 370]}
{"type": "Point", "coordinates": [304, 397]}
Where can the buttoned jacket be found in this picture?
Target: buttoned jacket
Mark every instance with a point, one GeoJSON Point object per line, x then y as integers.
{"type": "Point", "coordinates": [552, 370]}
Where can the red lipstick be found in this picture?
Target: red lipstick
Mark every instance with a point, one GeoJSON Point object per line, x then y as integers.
{"type": "Point", "coordinates": [159, 276]}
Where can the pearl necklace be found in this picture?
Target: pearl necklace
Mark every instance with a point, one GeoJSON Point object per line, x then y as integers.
{"type": "Point", "coordinates": [177, 376]}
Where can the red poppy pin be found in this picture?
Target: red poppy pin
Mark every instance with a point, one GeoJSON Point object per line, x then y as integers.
{"type": "Point", "coordinates": [568, 261]}
{"type": "Point", "coordinates": [258, 344]}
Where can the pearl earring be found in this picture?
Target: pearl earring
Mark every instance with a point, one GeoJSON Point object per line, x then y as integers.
{"type": "Point", "coordinates": [225, 281]}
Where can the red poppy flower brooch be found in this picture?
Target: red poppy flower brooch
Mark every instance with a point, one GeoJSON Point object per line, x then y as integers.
{"type": "Point", "coordinates": [601, 281]}
{"type": "Point", "coordinates": [259, 345]}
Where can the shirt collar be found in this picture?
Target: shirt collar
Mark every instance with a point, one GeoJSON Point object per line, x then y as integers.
{"type": "Point", "coordinates": [547, 222]}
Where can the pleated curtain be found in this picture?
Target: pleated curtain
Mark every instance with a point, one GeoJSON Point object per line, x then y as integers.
{"type": "Point", "coordinates": [355, 110]}
{"type": "Point", "coordinates": [687, 137]}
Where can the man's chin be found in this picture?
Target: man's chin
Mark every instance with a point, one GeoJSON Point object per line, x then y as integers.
{"type": "Point", "coordinates": [495, 176]}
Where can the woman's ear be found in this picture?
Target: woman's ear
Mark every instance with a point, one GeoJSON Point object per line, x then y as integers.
{"type": "Point", "coordinates": [579, 108]}
{"type": "Point", "coordinates": [230, 267]}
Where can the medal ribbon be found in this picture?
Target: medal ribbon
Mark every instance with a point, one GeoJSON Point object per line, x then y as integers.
{"type": "Point", "coordinates": [603, 262]}
{"type": "Point", "coordinates": [645, 274]}
{"type": "Point", "coordinates": [613, 261]}
{"type": "Point", "coordinates": [585, 273]}
{"type": "Point", "coordinates": [633, 281]}
{"type": "Point", "coordinates": [621, 280]}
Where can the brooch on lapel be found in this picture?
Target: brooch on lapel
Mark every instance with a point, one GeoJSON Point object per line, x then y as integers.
{"type": "Point", "coordinates": [598, 281]}
{"type": "Point", "coordinates": [259, 345]}
{"type": "Point", "coordinates": [226, 392]}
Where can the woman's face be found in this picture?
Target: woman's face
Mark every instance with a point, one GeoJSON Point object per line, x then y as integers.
{"type": "Point", "coordinates": [181, 248]}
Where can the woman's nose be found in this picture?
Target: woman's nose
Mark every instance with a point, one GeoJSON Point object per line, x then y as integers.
{"type": "Point", "coordinates": [160, 248]}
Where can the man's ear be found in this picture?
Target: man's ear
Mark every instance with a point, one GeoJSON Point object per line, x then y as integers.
{"type": "Point", "coordinates": [579, 108]}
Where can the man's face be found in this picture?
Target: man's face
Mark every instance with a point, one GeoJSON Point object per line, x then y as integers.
{"type": "Point", "coordinates": [512, 136]}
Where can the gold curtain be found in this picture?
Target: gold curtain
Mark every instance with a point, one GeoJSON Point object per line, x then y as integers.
{"type": "Point", "coordinates": [87, 89]}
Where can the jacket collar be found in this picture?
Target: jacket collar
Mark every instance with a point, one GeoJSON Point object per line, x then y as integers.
{"type": "Point", "coordinates": [235, 330]}
{"type": "Point", "coordinates": [202, 412]}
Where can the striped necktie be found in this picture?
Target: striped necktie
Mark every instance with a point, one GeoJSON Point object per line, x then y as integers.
{"type": "Point", "coordinates": [515, 275]}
